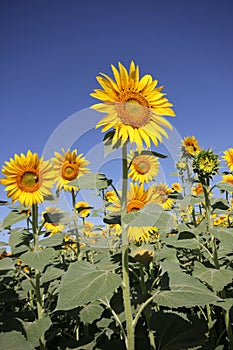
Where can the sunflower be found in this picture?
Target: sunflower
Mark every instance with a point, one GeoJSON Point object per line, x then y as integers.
{"type": "Point", "coordinates": [197, 189]}
{"type": "Point", "coordinates": [228, 178]}
{"type": "Point", "coordinates": [176, 186]}
{"type": "Point", "coordinates": [53, 227]}
{"type": "Point", "coordinates": [110, 196]}
{"type": "Point", "coordinates": [137, 198]}
{"type": "Point", "coordinates": [160, 193]}
{"type": "Point", "coordinates": [67, 167]}
{"type": "Point", "coordinates": [28, 178]}
{"type": "Point", "coordinates": [143, 168]}
{"type": "Point", "coordinates": [134, 106]}
{"type": "Point", "coordinates": [83, 209]}
{"type": "Point", "coordinates": [228, 156]}
{"type": "Point", "coordinates": [206, 163]}
{"type": "Point", "coordinates": [115, 229]}
{"type": "Point", "coordinates": [190, 146]}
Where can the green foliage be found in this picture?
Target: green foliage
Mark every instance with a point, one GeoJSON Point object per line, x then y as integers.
{"type": "Point", "coordinates": [14, 341]}
{"type": "Point", "coordinates": [83, 283]}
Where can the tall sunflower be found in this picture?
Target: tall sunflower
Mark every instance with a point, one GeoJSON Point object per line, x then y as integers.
{"type": "Point", "coordinates": [160, 193]}
{"type": "Point", "coordinates": [143, 168]}
{"type": "Point", "coordinates": [190, 146]}
{"type": "Point", "coordinates": [137, 198]}
{"type": "Point", "coordinates": [68, 166]}
{"type": "Point", "coordinates": [83, 209]}
{"type": "Point", "coordinates": [28, 178]}
{"type": "Point", "coordinates": [134, 106]}
{"type": "Point", "coordinates": [53, 227]}
{"type": "Point", "coordinates": [228, 156]}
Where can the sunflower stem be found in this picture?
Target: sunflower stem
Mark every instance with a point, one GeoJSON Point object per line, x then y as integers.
{"type": "Point", "coordinates": [129, 342]}
{"type": "Point", "coordinates": [39, 302]}
{"type": "Point", "coordinates": [75, 222]}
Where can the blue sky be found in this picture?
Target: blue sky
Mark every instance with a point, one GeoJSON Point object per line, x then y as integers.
{"type": "Point", "coordinates": [51, 52]}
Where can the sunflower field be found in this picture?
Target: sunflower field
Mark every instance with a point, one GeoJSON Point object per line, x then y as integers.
{"type": "Point", "coordinates": [151, 268]}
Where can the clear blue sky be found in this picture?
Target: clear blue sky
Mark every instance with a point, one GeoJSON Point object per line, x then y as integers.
{"type": "Point", "coordinates": [51, 52]}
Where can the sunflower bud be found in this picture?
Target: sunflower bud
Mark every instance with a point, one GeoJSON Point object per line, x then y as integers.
{"type": "Point", "coordinates": [206, 164]}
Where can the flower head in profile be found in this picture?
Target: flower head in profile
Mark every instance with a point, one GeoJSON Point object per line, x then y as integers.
{"type": "Point", "coordinates": [134, 106]}
{"type": "Point", "coordinates": [228, 156]}
{"type": "Point", "coordinates": [28, 178]}
{"type": "Point", "coordinates": [143, 167]}
{"type": "Point", "coordinates": [53, 225]}
{"type": "Point", "coordinates": [206, 163]}
{"type": "Point", "coordinates": [228, 178]}
{"type": "Point", "coordinates": [176, 186]}
{"type": "Point", "coordinates": [160, 193]}
{"type": "Point", "coordinates": [190, 146]}
{"type": "Point", "coordinates": [83, 209]}
{"type": "Point", "coordinates": [137, 198]}
{"type": "Point", "coordinates": [68, 166]}
{"type": "Point", "coordinates": [197, 189]}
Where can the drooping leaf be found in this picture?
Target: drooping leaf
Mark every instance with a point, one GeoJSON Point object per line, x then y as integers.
{"type": "Point", "coordinates": [150, 215]}
{"type": "Point", "coordinates": [52, 241]}
{"type": "Point", "coordinates": [219, 205]}
{"type": "Point", "coordinates": [216, 278]}
{"type": "Point", "coordinates": [186, 291]}
{"type": "Point", "coordinates": [12, 218]}
{"type": "Point", "coordinates": [91, 312]}
{"type": "Point", "coordinates": [19, 240]}
{"type": "Point", "coordinates": [225, 186]}
{"type": "Point", "coordinates": [14, 341]}
{"type": "Point", "coordinates": [83, 283]}
{"type": "Point", "coordinates": [35, 330]}
{"type": "Point", "coordinates": [152, 153]}
{"type": "Point", "coordinates": [91, 181]}
{"type": "Point", "coordinates": [38, 259]}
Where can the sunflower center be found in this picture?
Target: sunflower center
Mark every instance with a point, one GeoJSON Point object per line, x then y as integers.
{"type": "Point", "coordinates": [141, 165]}
{"type": "Point", "coordinates": [133, 109]}
{"type": "Point", "coordinates": [29, 181]}
{"type": "Point", "coordinates": [70, 171]}
{"type": "Point", "coordinates": [134, 205]}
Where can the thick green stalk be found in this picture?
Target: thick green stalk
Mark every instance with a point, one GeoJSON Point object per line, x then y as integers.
{"type": "Point", "coordinates": [125, 259]}
{"type": "Point", "coordinates": [75, 222]}
{"type": "Point", "coordinates": [147, 310]}
{"type": "Point", "coordinates": [39, 302]}
{"type": "Point", "coordinates": [209, 226]}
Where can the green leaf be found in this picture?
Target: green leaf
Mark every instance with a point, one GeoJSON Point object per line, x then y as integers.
{"type": "Point", "coordinates": [19, 240]}
{"type": "Point", "coordinates": [6, 264]}
{"type": "Point", "coordinates": [225, 237]}
{"type": "Point", "coordinates": [12, 218]}
{"type": "Point", "coordinates": [152, 153]}
{"type": "Point", "coordinates": [83, 283]}
{"type": "Point", "coordinates": [190, 243]}
{"type": "Point", "coordinates": [175, 333]}
{"type": "Point", "coordinates": [51, 274]}
{"type": "Point", "coordinates": [219, 205]}
{"type": "Point", "coordinates": [14, 341]}
{"type": "Point", "coordinates": [225, 186]}
{"type": "Point", "coordinates": [150, 215]}
{"type": "Point", "coordinates": [52, 241]}
{"type": "Point", "coordinates": [186, 291]}
{"type": "Point", "coordinates": [35, 330]}
{"type": "Point", "coordinates": [38, 259]}
{"type": "Point", "coordinates": [108, 146]}
{"type": "Point", "coordinates": [91, 181]}
{"type": "Point", "coordinates": [91, 312]}
{"type": "Point", "coordinates": [216, 278]}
